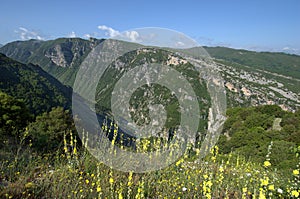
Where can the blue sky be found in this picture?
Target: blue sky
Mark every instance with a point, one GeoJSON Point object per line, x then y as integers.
{"type": "Point", "coordinates": [255, 25]}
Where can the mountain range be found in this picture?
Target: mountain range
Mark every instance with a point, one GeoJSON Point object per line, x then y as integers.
{"type": "Point", "coordinates": [60, 58]}
{"type": "Point", "coordinates": [251, 78]}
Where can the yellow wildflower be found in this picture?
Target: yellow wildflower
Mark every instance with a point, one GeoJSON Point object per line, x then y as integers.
{"type": "Point", "coordinates": [221, 169]}
{"type": "Point", "coordinates": [209, 183]}
{"type": "Point", "coordinates": [29, 185]}
{"type": "Point", "coordinates": [261, 195]}
{"type": "Point", "coordinates": [271, 187]}
{"type": "Point", "coordinates": [295, 193]}
{"type": "Point", "coordinates": [264, 182]}
{"type": "Point", "coordinates": [296, 172]}
{"type": "Point", "coordinates": [129, 183]}
{"type": "Point", "coordinates": [120, 195]}
{"type": "Point", "coordinates": [267, 163]}
{"type": "Point", "coordinates": [179, 162]}
{"type": "Point", "coordinates": [74, 151]}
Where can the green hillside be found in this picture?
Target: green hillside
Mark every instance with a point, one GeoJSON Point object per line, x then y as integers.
{"type": "Point", "coordinates": [249, 131]}
{"type": "Point", "coordinates": [39, 90]}
{"type": "Point", "coordinates": [281, 63]}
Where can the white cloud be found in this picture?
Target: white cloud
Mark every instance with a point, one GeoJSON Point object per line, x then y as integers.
{"type": "Point", "coordinates": [72, 35]}
{"type": "Point", "coordinates": [26, 34]}
{"type": "Point", "coordinates": [87, 36]}
{"type": "Point", "coordinates": [109, 31]}
{"type": "Point", "coordinates": [291, 50]}
{"type": "Point", "coordinates": [128, 35]}
{"type": "Point", "coordinates": [286, 48]}
{"type": "Point", "coordinates": [179, 44]}
{"type": "Point", "coordinates": [132, 36]}
{"type": "Point", "coordinates": [23, 29]}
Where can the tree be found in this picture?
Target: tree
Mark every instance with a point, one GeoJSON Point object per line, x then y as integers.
{"type": "Point", "coordinates": [47, 132]}
{"type": "Point", "coordinates": [14, 116]}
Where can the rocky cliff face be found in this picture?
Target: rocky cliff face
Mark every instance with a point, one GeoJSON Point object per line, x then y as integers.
{"type": "Point", "coordinates": [67, 54]}
{"type": "Point", "coordinates": [57, 56]}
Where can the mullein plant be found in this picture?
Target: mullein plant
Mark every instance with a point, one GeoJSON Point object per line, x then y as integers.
{"type": "Point", "coordinates": [140, 190]}
{"type": "Point", "coordinates": [98, 181]}
{"type": "Point", "coordinates": [111, 183]}
{"type": "Point", "coordinates": [264, 181]}
{"type": "Point", "coordinates": [217, 176]}
{"type": "Point", "coordinates": [295, 186]}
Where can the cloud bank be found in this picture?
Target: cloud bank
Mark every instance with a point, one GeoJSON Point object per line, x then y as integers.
{"type": "Point", "coordinates": [109, 31]}
{"type": "Point", "coordinates": [72, 35]}
{"type": "Point", "coordinates": [26, 34]}
{"type": "Point", "coordinates": [128, 35]}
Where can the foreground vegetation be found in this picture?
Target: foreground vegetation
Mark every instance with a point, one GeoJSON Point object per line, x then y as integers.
{"type": "Point", "coordinates": [76, 174]}
{"type": "Point", "coordinates": [42, 157]}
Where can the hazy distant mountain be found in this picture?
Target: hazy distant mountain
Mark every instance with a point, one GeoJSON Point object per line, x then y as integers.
{"type": "Point", "coordinates": [250, 85]}
{"type": "Point", "coordinates": [281, 63]}
{"type": "Point", "coordinates": [39, 90]}
{"type": "Point", "coordinates": [258, 78]}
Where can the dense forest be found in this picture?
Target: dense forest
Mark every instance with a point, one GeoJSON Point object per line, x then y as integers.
{"type": "Point", "coordinates": [39, 90]}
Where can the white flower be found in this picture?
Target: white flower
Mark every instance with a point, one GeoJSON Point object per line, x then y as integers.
{"type": "Point", "coordinates": [248, 174]}
{"type": "Point", "coordinates": [184, 188]}
{"type": "Point", "coordinates": [279, 190]}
